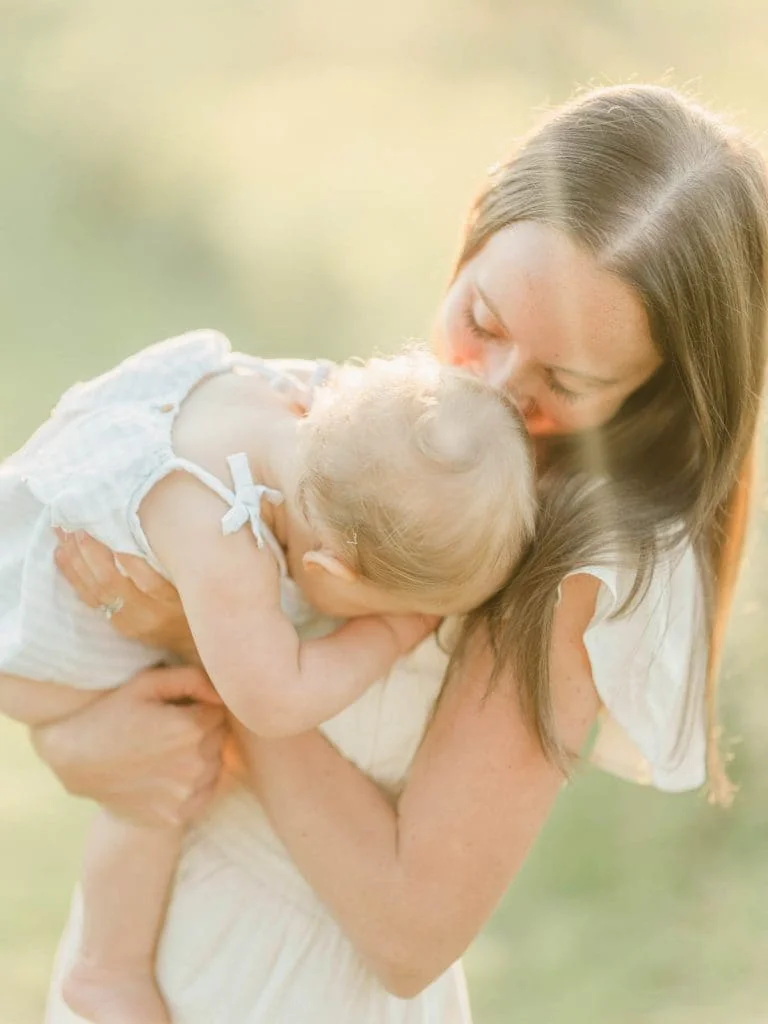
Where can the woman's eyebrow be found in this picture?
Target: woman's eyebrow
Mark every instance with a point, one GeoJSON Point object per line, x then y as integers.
{"type": "Point", "coordinates": [588, 378]}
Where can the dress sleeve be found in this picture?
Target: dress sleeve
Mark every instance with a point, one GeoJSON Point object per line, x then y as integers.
{"type": "Point", "coordinates": [649, 669]}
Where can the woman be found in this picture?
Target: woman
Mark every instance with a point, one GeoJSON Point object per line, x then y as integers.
{"type": "Point", "coordinates": [613, 278]}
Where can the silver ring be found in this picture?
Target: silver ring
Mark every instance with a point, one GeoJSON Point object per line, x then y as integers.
{"type": "Point", "coordinates": [110, 608]}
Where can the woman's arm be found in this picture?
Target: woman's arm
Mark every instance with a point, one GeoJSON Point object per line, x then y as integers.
{"type": "Point", "coordinates": [413, 884]}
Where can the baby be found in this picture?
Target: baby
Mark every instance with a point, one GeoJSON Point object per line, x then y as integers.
{"type": "Point", "coordinates": [405, 494]}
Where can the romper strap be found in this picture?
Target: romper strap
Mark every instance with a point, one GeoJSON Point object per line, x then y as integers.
{"type": "Point", "coordinates": [283, 380]}
{"type": "Point", "coordinates": [244, 502]}
{"type": "Point", "coordinates": [247, 504]}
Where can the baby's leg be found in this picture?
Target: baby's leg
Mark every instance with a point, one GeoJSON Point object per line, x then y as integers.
{"type": "Point", "coordinates": [127, 874]}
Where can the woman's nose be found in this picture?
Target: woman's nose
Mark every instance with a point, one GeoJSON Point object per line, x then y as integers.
{"type": "Point", "coordinates": [514, 371]}
{"type": "Point", "coordinates": [501, 366]}
{"type": "Point", "coordinates": [517, 378]}
{"type": "Point", "coordinates": [525, 403]}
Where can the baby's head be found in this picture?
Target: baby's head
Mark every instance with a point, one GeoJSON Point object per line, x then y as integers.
{"type": "Point", "coordinates": [418, 481]}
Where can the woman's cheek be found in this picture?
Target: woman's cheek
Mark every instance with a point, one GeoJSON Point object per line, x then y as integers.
{"type": "Point", "coordinates": [551, 416]}
{"type": "Point", "coordinates": [574, 419]}
{"type": "Point", "coordinates": [459, 348]}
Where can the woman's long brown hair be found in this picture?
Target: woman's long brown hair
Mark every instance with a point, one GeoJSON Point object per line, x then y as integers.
{"type": "Point", "coordinates": [675, 202]}
{"type": "Point", "coordinates": [728, 548]}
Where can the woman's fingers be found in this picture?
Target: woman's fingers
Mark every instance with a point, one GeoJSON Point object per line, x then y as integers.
{"type": "Point", "coordinates": [73, 567]}
{"type": "Point", "coordinates": [100, 577]}
{"type": "Point", "coordinates": [145, 578]}
{"type": "Point", "coordinates": [179, 797]}
{"type": "Point", "coordinates": [180, 685]}
{"type": "Point", "coordinates": [192, 808]}
{"type": "Point", "coordinates": [211, 744]}
{"type": "Point", "coordinates": [187, 797]}
{"type": "Point", "coordinates": [92, 569]}
{"type": "Point", "coordinates": [101, 564]}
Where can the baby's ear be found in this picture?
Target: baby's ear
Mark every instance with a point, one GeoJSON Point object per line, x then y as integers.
{"type": "Point", "coordinates": [325, 561]}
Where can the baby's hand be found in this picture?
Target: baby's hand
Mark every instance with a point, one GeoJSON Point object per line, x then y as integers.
{"type": "Point", "coordinates": [410, 630]}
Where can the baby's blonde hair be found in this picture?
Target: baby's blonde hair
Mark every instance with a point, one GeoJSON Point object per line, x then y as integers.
{"type": "Point", "coordinates": [420, 478]}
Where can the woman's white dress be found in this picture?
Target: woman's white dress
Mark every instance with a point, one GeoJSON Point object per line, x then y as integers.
{"type": "Point", "coordinates": [246, 940]}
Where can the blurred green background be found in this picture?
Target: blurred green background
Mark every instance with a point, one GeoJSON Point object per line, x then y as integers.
{"type": "Point", "coordinates": [296, 174]}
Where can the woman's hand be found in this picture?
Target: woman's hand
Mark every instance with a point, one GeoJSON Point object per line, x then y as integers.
{"type": "Point", "coordinates": [142, 605]}
{"type": "Point", "coordinates": [138, 751]}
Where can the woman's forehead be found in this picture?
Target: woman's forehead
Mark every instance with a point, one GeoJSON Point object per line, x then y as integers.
{"type": "Point", "coordinates": [552, 294]}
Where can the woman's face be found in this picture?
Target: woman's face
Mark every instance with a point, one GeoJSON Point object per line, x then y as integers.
{"type": "Point", "coordinates": [534, 313]}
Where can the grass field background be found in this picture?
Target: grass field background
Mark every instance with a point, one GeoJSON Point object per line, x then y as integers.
{"type": "Point", "coordinates": [296, 174]}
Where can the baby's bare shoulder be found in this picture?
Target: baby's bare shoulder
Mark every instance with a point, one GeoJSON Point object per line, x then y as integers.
{"type": "Point", "coordinates": [224, 416]}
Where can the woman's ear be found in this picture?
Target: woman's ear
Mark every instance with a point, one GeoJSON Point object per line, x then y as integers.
{"type": "Point", "coordinates": [325, 561]}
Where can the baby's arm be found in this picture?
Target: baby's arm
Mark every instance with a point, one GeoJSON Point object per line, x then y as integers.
{"type": "Point", "coordinates": [230, 590]}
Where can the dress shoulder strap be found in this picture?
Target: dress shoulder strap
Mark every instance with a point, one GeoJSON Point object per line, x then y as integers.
{"type": "Point", "coordinates": [244, 501]}
{"type": "Point", "coordinates": [282, 379]}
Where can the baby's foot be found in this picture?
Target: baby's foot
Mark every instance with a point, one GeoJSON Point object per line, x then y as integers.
{"type": "Point", "coordinates": [106, 995]}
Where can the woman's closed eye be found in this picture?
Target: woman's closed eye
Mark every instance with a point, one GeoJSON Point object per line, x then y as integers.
{"type": "Point", "coordinates": [479, 331]}
{"type": "Point", "coordinates": [559, 389]}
